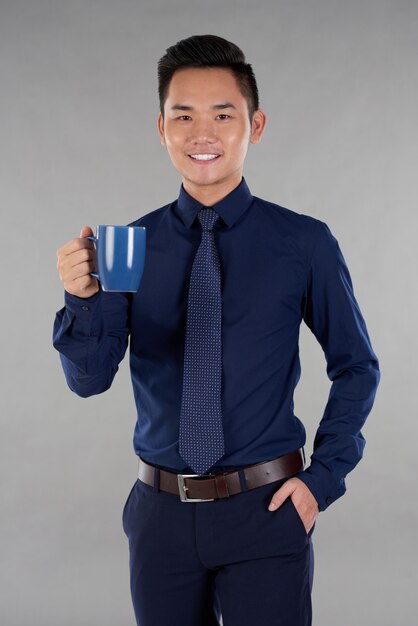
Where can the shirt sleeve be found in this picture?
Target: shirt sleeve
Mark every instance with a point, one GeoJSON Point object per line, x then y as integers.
{"type": "Point", "coordinates": [332, 313]}
{"type": "Point", "coordinates": [91, 336]}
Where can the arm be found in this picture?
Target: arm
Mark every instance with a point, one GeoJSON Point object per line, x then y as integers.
{"type": "Point", "coordinates": [332, 313]}
{"type": "Point", "coordinates": [91, 330]}
{"type": "Point", "coordinates": [91, 335]}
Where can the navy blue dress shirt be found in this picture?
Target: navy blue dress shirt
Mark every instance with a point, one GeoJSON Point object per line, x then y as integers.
{"type": "Point", "coordinates": [278, 267]}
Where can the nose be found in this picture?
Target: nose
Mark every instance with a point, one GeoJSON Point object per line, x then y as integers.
{"type": "Point", "coordinates": [202, 131]}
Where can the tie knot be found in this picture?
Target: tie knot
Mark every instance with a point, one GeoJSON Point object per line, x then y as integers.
{"type": "Point", "coordinates": [207, 217]}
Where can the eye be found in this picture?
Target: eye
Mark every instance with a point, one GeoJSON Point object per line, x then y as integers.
{"type": "Point", "coordinates": [223, 115]}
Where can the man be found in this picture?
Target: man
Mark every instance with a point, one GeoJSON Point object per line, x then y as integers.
{"type": "Point", "coordinates": [214, 361]}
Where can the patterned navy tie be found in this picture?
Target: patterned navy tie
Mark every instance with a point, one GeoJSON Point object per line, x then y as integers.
{"type": "Point", "coordinates": [201, 439]}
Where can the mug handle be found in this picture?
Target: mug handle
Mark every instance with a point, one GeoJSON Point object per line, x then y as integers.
{"type": "Point", "coordinates": [94, 240]}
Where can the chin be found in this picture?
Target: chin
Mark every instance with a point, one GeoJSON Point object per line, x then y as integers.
{"type": "Point", "coordinates": [202, 179]}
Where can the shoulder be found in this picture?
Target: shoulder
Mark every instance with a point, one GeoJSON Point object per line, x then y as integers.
{"type": "Point", "coordinates": [302, 226]}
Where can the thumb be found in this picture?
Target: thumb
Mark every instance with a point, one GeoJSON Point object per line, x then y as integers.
{"type": "Point", "coordinates": [86, 231]}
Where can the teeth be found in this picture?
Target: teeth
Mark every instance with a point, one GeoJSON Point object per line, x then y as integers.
{"type": "Point", "coordinates": [204, 157]}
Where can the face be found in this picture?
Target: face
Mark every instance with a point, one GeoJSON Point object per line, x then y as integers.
{"type": "Point", "coordinates": [206, 114]}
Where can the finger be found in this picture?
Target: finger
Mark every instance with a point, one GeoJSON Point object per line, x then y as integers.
{"type": "Point", "coordinates": [81, 284]}
{"type": "Point", "coordinates": [280, 496]}
{"type": "Point", "coordinates": [82, 269]}
{"type": "Point", "coordinates": [66, 264]}
{"type": "Point", "coordinates": [73, 245]}
{"type": "Point", "coordinates": [79, 256]}
{"type": "Point", "coordinates": [86, 231]}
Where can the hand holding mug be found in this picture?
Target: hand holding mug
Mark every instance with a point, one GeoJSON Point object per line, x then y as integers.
{"type": "Point", "coordinates": [76, 261]}
{"type": "Point", "coordinates": [116, 260]}
{"type": "Point", "coordinates": [120, 256]}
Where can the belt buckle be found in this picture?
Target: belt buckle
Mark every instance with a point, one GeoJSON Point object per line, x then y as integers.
{"type": "Point", "coordinates": [183, 488]}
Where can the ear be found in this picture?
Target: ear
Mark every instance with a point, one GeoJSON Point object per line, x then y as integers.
{"type": "Point", "coordinates": [257, 126]}
{"type": "Point", "coordinates": [160, 127]}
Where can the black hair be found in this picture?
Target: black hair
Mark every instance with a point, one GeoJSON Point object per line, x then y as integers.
{"type": "Point", "coordinates": [208, 51]}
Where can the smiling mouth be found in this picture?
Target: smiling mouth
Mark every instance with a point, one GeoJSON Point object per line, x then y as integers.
{"type": "Point", "coordinates": [204, 158]}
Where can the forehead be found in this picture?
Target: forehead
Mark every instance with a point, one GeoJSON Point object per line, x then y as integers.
{"type": "Point", "coordinates": [204, 85]}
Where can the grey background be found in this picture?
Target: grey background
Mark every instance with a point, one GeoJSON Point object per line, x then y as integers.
{"type": "Point", "coordinates": [79, 145]}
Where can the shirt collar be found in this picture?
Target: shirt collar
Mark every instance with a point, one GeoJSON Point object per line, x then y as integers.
{"type": "Point", "coordinates": [229, 208]}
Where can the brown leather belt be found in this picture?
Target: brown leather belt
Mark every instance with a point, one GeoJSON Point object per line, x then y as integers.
{"type": "Point", "coordinates": [205, 487]}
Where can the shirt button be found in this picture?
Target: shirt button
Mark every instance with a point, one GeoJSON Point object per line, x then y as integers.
{"type": "Point", "coordinates": [328, 500]}
{"type": "Point", "coordinates": [85, 308]}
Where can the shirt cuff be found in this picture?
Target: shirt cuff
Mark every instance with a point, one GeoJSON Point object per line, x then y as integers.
{"type": "Point", "coordinates": [322, 485]}
{"type": "Point", "coordinates": [84, 311]}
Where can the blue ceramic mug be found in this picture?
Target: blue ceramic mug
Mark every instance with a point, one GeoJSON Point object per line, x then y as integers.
{"type": "Point", "coordinates": [120, 255]}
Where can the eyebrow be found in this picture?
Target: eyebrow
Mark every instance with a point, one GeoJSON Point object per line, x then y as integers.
{"type": "Point", "coordinates": [186, 107]}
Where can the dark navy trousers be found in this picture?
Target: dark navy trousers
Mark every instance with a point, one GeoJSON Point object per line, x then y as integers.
{"type": "Point", "coordinates": [195, 564]}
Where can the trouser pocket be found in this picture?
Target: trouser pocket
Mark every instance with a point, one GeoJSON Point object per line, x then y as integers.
{"type": "Point", "coordinates": [299, 519]}
{"type": "Point", "coordinates": [127, 502]}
